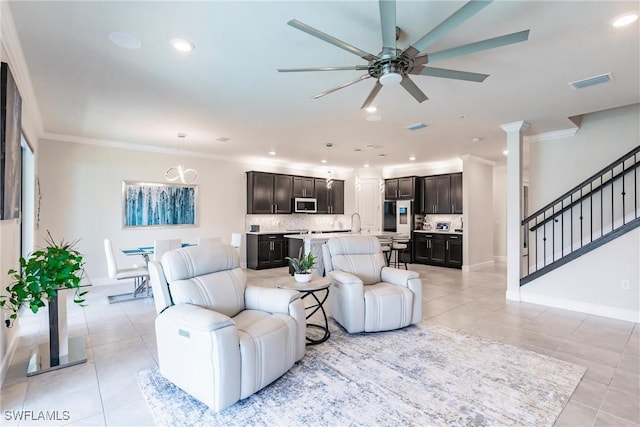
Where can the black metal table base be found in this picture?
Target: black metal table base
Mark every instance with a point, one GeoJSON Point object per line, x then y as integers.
{"type": "Point", "coordinates": [324, 328]}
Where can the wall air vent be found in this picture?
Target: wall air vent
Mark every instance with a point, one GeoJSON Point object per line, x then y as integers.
{"type": "Point", "coordinates": [595, 80]}
{"type": "Point", "coordinates": [222, 139]}
{"type": "Point", "coordinates": [415, 126]}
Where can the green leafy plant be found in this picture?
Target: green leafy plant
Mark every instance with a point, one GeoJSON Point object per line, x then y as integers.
{"type": "Point", "coordinates": [57, 266]}
{"type": "Point", "coordinates": [303, 264]}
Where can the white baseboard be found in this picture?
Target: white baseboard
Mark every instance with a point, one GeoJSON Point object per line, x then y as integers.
{"type": "Point", "coordinates": [8, 356]}
{"type": "Point", "coordinates": [582, 307]}
{"type": "Point", "coordinates": [467, 268]}
{"type": "Point", "coordinates": [513, 296]}
{"type": "Point", "coordinates": [500, 258]}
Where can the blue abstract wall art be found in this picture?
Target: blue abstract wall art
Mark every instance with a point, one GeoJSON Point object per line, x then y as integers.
{"type": "Point", "coordinates": [148, 204]}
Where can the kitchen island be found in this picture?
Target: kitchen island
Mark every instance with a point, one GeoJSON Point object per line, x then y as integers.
{"type": "Point", "coordinates": [312, 243]}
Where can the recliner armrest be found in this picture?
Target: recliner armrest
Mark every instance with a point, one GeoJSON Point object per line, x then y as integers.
{"type": "Point", "coordinates": [197, 317]}
{"type": "Point", "coordinates": [271, 300]}
{"type": "Point", "coordinates": [395, 276]}
{"type": "Point", "coordinates": [339, 277]}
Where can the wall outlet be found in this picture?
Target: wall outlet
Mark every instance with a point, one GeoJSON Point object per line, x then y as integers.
{"type": "Point", "coordinates": [625, 284]}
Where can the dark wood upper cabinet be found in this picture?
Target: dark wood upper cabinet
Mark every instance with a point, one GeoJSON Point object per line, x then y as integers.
{"type": "Point", "coordinates": [400, 188]}
{"type": "Point", "coordinates": [336, 197]}
{"type": "Point", "coordinates": [407, 188]}
{"type": "Point", "coordinates": [329, 200]}
{"type": "Point", "coordinates": [442, 194]}
{"type": "Point", "coordinates": [443, 190]}
{"type": "Point", "coordinates": [456, 193]}
{"type": "Point", "coordinates": [303, 186]}
{"type": "Point", "coordinates": [268, 193]}
{"type": "Point", "coordinates": [391, 189]}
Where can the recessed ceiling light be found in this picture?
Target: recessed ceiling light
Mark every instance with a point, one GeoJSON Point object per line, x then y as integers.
{"type": "Point", "coordinates": [625, 19]}
{"type": "Point", "coordinates": [373, 118]}
{"type": "Point", "coordinates": [412, 158]}
{"type": "Point", "coordinates": [371, 109]}
{"type": "Point", "coordinates": [272, 153]}
{"type": "Point", "coordinates": [505, 152]}
{"type": "Point", "coordinates": [125, 40]}
{"type": "Point", "coordinates": [182, 135]}
{"type": "Point", "coordinates": [182, 45]}
{"type": "Point", "coordinates": [476, 139]}
{"type": "Point", "coordinates": [366, 165]}
{"type": "Point", "coordinates": [323, 161]}
{"type": "Point", "coordinates": [462, 116]}
{"type": "Point", "coordinates": [357, 150]}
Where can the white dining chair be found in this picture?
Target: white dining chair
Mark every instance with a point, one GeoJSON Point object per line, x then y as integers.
{"type": "Point", "coordinates": [162, 246]}
{"type": "Point", "coordinates": [139, 275]}
{"type": "Point", "coordinates": [236, 240]}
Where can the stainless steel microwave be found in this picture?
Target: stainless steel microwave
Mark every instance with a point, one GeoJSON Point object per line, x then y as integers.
{"type": "Point", "coordinates": [305, 205]}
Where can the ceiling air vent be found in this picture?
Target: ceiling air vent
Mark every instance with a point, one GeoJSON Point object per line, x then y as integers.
{"type": "Point", "coordinates": [595, 80]}
{"type": "Point", "coordinates": [416, 126]}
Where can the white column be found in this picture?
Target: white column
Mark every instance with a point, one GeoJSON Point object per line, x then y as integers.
{"type": "Point", "coordinates": [514, 206]}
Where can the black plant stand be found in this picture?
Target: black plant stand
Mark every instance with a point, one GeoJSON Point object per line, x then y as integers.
{"type": "Point", "coordinates": [61, 351]}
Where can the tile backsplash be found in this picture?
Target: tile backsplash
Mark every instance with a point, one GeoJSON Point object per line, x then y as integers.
{"type": "Point", "coordinates": [298, 222]}
{"type": "Point", "coordinates": [429, 221]}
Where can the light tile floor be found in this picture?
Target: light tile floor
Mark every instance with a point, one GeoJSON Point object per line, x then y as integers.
{"type": "Point", "coordinates": [120, 342]}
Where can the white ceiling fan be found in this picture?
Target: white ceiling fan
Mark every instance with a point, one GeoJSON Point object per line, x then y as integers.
{"type": "Point", "coordinates": [392, 65]}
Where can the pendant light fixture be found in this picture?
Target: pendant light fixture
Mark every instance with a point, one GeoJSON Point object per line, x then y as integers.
{"type": "Point", "coordinates": [178, 172]}
{"type": "Point", "coordinates": [329, 180]}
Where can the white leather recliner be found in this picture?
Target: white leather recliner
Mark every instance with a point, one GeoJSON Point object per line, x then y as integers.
{"type": "Point", "coordinates": [218, 338]}
{"type": "Point", "coordinates": [365, 294]}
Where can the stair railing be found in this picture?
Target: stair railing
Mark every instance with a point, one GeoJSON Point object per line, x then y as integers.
{"type": "Point", "coordinates": [592, 213]}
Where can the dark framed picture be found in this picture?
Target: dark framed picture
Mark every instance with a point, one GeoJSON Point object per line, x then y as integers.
{"type": "Point", "coordinates": [154, 204]}
{"type": "Point", "coordinates": [10, 150]}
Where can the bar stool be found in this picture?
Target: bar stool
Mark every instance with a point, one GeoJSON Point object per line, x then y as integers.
{"type": "Point", "coordinates": [399, 245]}
{"type": "Point", "coordinates": [385, 245]}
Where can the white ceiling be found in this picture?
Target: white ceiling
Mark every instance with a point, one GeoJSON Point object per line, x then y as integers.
{"type": "Point", "coordinates": [87, 87]}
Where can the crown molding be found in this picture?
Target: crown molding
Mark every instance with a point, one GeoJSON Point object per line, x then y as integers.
{"type": "Point", "coordinates": [548, 136]}
{"type": "Point", "coordinates": [18, 67]}
{"type": "Point", "coordinates": [515, 126]}
{"type": "Point", "coordinates": [185, 153]}
{"type": "Point", "coordinates": [469, 157]}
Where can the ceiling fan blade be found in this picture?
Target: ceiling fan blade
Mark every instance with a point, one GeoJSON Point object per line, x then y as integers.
{"type": "Point", "coordinates": [342, 86]}
{"type": "Point", "coordinates": [372, 95]}
{"type": "Point", "coordinates": [414, 90]}
{"type": "Point", "coordinates": [461, 15]}
{"type": "Point", "coordinates": [351, 68]}
{"type": "Point", "coordinates": [388, 24]}
{"type": "Point", "coordinates": [330, 39]}
{"type": "Point", "coordinates": [449, 74]}
{"type": "Point", "coordinates": [479, 46]}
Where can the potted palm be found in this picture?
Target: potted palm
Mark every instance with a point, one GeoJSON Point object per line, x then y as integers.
{"type": "Point", "coordinates": [302, 267]}
{"type": "Point", "coordinates": [45, 272]}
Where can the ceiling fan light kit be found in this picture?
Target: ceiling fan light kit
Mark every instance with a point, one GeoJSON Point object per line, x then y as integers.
{"type": "Point", "coordinates": [394, 66]}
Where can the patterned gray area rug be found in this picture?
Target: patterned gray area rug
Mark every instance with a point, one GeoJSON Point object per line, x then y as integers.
{"type": "Point", "coordinates": [421, 375]}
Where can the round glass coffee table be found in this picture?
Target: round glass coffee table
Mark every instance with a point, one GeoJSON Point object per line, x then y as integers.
{"type": "Point", "coordinates": [318, 289]}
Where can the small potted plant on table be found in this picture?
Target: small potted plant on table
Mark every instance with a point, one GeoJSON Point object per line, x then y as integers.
{"type": "Point", "coordinates": [302, 267]}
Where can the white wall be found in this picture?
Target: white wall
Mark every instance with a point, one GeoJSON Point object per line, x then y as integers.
{"type": "Point", "coordinates": [557, 165]}
{"type": "Point", "coordinates": [477, 183]}
{"type": "Point", "coordinates": [593, 282]}
{"type": "Point", "coordinates": [81, 197]}
{"type": "Point", "coordinates": [500, 213]}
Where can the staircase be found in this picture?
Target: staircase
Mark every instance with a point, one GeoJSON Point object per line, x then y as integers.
{"type": "Point", "coordinates": [594, 212]}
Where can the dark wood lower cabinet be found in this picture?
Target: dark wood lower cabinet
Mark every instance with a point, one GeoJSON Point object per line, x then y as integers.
{"type": "Point", "coordinates": [438, 249]}
{"type": "Point", "coordinates": [266, 251]}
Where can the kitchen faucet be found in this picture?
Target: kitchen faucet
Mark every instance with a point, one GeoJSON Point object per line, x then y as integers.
{"type": "Point", "coordinates": [355, 226]}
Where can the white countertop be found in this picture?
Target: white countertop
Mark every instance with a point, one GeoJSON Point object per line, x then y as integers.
{"type": "Point", "coordinates": [296, 232]}
{"type": "Point", "coordinates": [458, 233]}
{"type": "Point", "coordinates": [326, 236]}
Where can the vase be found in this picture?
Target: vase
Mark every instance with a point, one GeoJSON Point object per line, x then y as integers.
{"type": "Point", "coordinates": [302, 277]}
